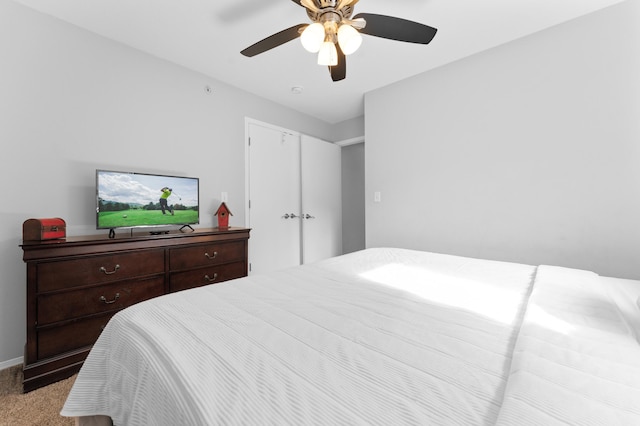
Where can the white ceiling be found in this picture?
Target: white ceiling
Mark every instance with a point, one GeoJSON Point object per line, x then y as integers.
{"type": "Point", "coordinates": [208, 35]}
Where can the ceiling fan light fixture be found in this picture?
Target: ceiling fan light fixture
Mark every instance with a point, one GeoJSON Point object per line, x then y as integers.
{"type": "Point", "coordinates": [312, 37]}
{"type": "Point", "coordinates": [328, 54]}
{"type": "Point", "coordinates": [349, 38]}
{"type": "Point", "coordinates": [330, 17]}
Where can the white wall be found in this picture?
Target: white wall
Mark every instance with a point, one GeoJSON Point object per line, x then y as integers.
{"type": "Point", "coordinates": [528, 152]}
{"type": "Point", "coordinates": [71, 102]}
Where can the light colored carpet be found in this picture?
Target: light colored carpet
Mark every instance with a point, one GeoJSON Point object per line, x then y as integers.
{"type": "Point", "coordinates": [40, 407]}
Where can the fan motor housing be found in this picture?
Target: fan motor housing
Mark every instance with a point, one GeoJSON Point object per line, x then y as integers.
{"type": "Point", "coordinates": [326, 3]}
{"type": "Point", "coordinates": [329, 7]}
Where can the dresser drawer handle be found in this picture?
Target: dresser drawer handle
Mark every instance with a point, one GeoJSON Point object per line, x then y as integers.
{"type": "Point", "coordinates": [215, 253]}
{"type": "Point", "coordinates": [209, 279]}
{"type": "Point", "coordinates": [103, 269]}
{"type": "Point", "coordinates": [108, 302]}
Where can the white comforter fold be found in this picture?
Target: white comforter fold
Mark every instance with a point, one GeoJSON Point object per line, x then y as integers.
{"type": "Point", "coordinates": [576, 361]}
{"type": "Point", "coordinates": [383, 336]}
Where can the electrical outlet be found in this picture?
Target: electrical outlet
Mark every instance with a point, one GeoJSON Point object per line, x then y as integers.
{"type": "Point", "coordinates": [377, 197]}
{"type": "Point", "coordinates": [224, 197]}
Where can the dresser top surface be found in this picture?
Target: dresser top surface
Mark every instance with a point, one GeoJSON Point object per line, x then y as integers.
{"type": "Point", "coordinates": [79, 245]}
{"type": "Point", "coordinates": [138, 236]}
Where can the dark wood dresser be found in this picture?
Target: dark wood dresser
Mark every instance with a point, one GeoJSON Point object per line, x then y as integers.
{"type": "Point", "coordinates": [75, 285]}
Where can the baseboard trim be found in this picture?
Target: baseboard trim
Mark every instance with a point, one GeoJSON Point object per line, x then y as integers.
{"type": "Point", "coordinates": [11, 363]}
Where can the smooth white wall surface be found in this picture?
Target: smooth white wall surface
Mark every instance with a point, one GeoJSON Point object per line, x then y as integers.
{"type": "Point", "coordinates": [529, 152]}
{"type": "Point", "coordinates": [72, 101]}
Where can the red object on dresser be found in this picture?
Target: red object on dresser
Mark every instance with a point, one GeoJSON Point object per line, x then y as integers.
{"type": "Point", "coordinates": [44, 229]}
{"type": "Point", "coordinates": [223, 214]}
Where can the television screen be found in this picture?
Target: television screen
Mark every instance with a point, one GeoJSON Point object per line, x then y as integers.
{"type": "Point", "coordinates": [127, 199]}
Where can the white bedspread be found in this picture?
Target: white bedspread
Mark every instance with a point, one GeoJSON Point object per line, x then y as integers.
{"type": "Point", "coordinates": [576, 361]}
{"type": "Point", "coordinates": [380, 337]}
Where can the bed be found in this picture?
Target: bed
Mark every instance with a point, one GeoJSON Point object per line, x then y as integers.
{"type": "Point", "coordinates": [378, 337]}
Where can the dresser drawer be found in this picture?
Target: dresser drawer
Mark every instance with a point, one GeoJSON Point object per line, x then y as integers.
{"type": "Point", "coordinates": [87, 301]}
{"type": "Point", "coordinates": [53, 341]}
{"type": "Point", "coordinates": [98, 269]}
{"type": "Point", "coordinates": [204, 276]}
{"type": "Point", "coordinates": [206, 255]}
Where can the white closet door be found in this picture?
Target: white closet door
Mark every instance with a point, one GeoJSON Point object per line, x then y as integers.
{"type": "Point", "coordinates": [321, 199]}
{"type": "Point", "coordinates": [274, 196]}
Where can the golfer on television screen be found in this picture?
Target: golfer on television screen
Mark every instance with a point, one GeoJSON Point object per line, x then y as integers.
{"type": "Point", "coordinates": [166, 192]}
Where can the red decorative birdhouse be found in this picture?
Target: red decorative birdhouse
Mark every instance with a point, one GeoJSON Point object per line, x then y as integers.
{"type": "Point", "coordinates": [223, 214]}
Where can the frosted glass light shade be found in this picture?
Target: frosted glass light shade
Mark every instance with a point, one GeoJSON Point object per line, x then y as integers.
{"type": "Point", "coordinates": [328, 54]}
{"type": "Point", "coordinates": [312, 37]}
{"type": "Point", "coordinates": [349, 38]}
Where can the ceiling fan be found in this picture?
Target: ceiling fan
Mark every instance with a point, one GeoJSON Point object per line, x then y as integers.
{"type": "Point", "coordinates": [335, 34]}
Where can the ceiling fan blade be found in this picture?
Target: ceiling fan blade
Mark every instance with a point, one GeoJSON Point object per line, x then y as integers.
{"type": "Point", "coordinates": [274, 40]}
{"type": "Point", "coordinates": [308, 4]}
{"type": "Point", "coordinates": [339, 72]}
{"type": "Point", "coordinates": [396, 28]}
{"type": "Point", "coordinates": [343, 3]}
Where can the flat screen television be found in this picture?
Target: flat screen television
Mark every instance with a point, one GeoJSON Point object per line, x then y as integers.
{"type": "Point", "coordinates": [130, 200]}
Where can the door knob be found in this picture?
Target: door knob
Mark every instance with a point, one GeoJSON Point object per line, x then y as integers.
{"type": "Point", "coordinates": [286, 216]}
{"type": "Point", "coordinates": [308, 216]}
{"type": "Point", "coordinates": [293, 216]}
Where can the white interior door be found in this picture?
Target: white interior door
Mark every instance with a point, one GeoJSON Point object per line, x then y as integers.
{"type": "Point", "coordinates": [274, 198]}
{"type": "Point", "coordinates": [321, 168]}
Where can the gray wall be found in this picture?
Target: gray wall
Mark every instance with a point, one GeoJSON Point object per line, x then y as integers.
{"type": "Point", "coordinates": [72, 101]}
{"type": "Point", "coordinates": [353, 198]}
{"type": "Point", "coordinates": [529, 152]}
{"type": "Point", "coordinates": [347, 129]}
